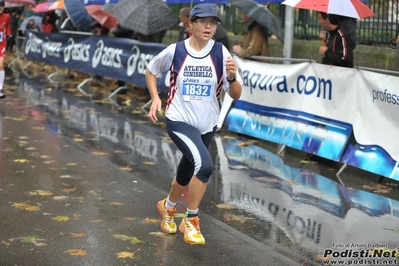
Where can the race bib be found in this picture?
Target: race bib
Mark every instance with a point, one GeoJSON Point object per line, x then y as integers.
{"type": "Point", "coordinates": [196, 92]}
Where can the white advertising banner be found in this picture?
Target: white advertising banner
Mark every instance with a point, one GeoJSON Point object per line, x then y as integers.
{"type": "Point", "coordinates": [342, 114]}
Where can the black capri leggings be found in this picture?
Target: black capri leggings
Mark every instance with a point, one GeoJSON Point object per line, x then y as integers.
{"type": "Point", "coordinates": [196, 158]}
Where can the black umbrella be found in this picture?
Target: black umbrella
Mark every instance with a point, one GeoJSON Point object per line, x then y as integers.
{"type": "Point", "coordinates": [261, 15]}
{"type": "Point", "coordinates": [143, 16]}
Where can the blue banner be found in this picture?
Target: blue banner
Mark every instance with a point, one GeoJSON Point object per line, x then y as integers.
{"type": "Point", "coordinates": [120, 58]}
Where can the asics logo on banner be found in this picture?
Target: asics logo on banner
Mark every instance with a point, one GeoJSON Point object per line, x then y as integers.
{"type": "Point", "coordinates": [51, 49]}
{"type": "Point", "coordinates": [76, 51]}
{"type": "Point", "coordinates": [108, 56]}
{"type": "Point", "coordinates": [33, 44]}
{"type": "Point", "coordinates": [138, 60]}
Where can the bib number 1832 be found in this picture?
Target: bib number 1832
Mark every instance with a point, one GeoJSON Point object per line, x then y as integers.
{"type": "Point", "coordinates": [197, 90]}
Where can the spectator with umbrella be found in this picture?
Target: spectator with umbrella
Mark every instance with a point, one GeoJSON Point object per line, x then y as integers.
{"type": "Point", "coordinates": [336, 51]}
{"type": "Point", "coordinates": [33, 23]}
{"type": "Point", "coordinates": [200, 69]}
{"type": "Point", "coordinates": [254, 42]}
{"type": "Point", "coordinates": [260, 24]}
{"type": "Point", "coordinates": [5, 32]}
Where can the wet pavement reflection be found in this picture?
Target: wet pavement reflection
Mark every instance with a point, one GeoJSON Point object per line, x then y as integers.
{"type": "Point", "coordinates": [291, 203]}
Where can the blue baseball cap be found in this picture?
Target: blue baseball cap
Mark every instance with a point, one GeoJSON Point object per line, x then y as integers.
{"type": "Point", "coordinates": [204, 11]}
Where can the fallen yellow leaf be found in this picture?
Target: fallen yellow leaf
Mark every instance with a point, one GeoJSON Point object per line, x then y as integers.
{"type": "Point", "coordinates": [77, 252]}
{"type": "Point", "coordinates": [239, 218]}
{"type": "Point", "coordinates": [225, 206]}
{"type": "Point", "coordinates": [77, 139]}
{"type": "Point", "coordinates": [132, 239]}
{"type": "Point", "coordinates": [21, 160]}
{"type": "Point", "coordinates": [41, 193]}
{"type": "Point", "coordinates": [99, 153]}
{"type": "Point", "coordinates": [78, 234]}
{"type": "Point", "coordinates": [160, 234]}
{"type": "Point", "coordinates": [67, 190]}
{"type": "Point", "coordinates": [116, 203]}
{"type": "Point", "coordinates": [149, 163]}
{"type": "Point", "coordinates": [153, 221]}
{"type": "Point", "coordinates": [245, 144]}
{"type": "Point", "coordinates": [126, 255]}
{"type": "Point", "coordinates": [35, 240]}
{"type": "Point", "coordinates": [60, 218]}
{"type": "Point", "coordinates": [128, 102]}
{"type": "Point", "coordinates": [127, 168]}
{"type": "Point", "coordinates": [59, 197]}
{"type": "Point", "coordinates": [229, 137]}
{"type": "Point", "coordinates": [26, 207]}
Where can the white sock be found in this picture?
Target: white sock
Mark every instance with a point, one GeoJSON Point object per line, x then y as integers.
{"type": "Point", "coordinates": [1, 79]}
{"type": "Point", "coordinates": [169, 204]}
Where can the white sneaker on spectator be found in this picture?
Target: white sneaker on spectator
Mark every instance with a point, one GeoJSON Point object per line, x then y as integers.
{"type": "Point", "coordinates": [2, 95]}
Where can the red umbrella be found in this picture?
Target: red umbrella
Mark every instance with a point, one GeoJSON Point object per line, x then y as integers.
{"type": "Point", "coordinates": [49, 6]}
{"type": "Point", "coordinates": [21, 2]}
{"type": "Point", "coordinates": [107, 20]}
{"type": "Point", "coordinates": [348, 8]}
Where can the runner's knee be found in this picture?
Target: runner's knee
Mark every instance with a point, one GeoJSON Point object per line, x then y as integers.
{"type": "Point", "coordinates": [205, 172]}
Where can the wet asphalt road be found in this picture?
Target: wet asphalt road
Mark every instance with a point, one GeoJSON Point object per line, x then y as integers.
{"type": "Point", "coordinates": [80, 179]}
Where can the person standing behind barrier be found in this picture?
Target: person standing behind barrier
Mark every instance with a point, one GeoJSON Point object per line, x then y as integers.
{"type": "Point", "coordinates": [254, 42]}
{"type": "Point", "coordinates": [183, 16]}
{"type": "Point", "coordinates": [5, 32]}
{"type": "Point", "coordinates": [348, 25]}
{"type": "Point", "coordinates": [200, 69]}
{"type": "Point", "coordinates": [14, 18]}
{"type": "Point", "coordinates": [336, 51]}
{"type": "Point", "coordinates": [46, 25]}
{"type": "Point", "coordinates": [49, 22]}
